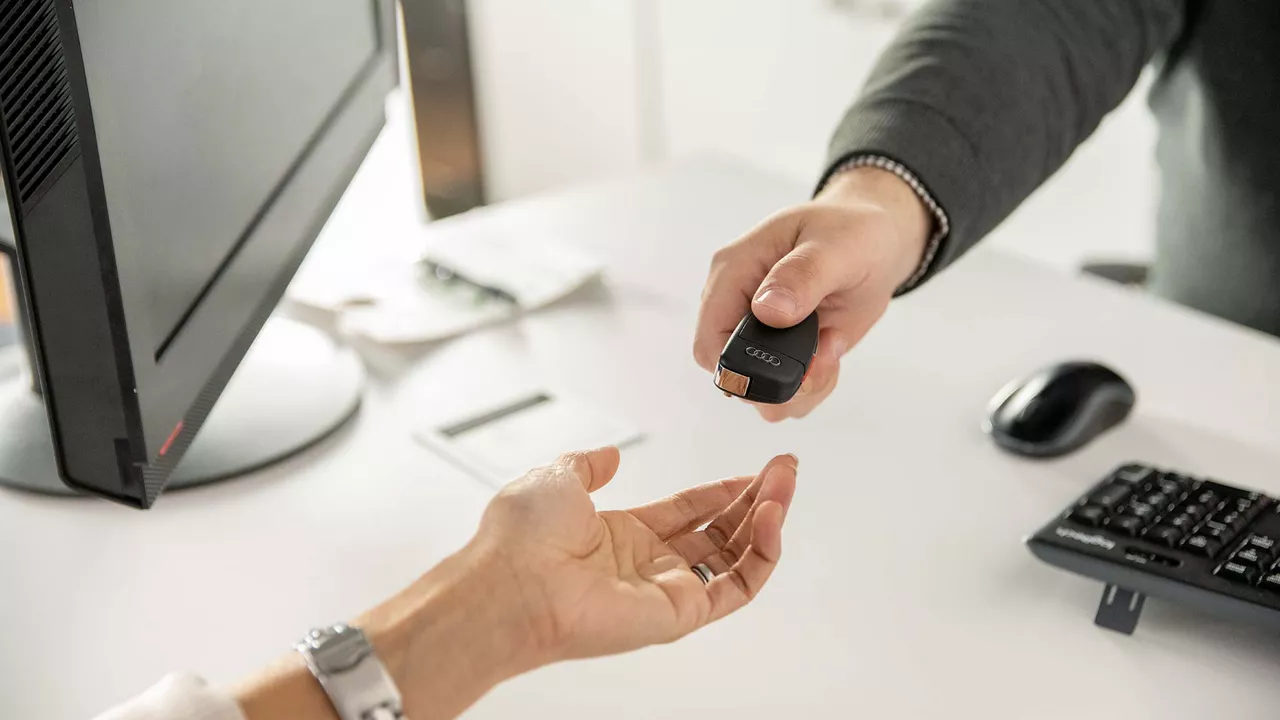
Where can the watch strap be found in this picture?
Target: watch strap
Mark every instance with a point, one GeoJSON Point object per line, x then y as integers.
{"type": "Point", "coordinates": [355, 680]}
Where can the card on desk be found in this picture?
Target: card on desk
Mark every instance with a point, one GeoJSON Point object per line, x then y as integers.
{"type": "Point", "coordinates": [500, 441]}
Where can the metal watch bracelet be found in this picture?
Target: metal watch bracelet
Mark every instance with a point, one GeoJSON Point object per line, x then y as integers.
{"type": "Point", "coordinates": [344, 662]}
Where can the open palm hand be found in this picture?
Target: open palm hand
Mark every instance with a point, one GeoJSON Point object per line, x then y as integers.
{"type": "Point", "coordinates": [598, 583]}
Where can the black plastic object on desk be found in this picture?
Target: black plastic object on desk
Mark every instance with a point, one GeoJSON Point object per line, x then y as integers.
{"type": "Point", "coordinates": [1059, 409]}
{"type": "Point", "coordinates": [766, 364]}
{"type": "Point", "coordinates": [1144, 531]}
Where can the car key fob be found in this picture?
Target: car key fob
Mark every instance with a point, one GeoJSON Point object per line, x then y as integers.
{"type": "Point", "coordinates": [766, 364]}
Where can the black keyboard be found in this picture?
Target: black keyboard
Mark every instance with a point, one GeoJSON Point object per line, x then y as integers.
{"type": "Point", "coordinates": [1149, 532]}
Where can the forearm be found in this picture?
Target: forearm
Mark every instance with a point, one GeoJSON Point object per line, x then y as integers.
{"type": "Point", "coordinates": [446, 641]}
{"type": "Point", "coordinates": [984, 99]}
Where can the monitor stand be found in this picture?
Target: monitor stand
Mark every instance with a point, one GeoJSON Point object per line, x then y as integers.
{"type": "Point", "coordinates": [294, 388]}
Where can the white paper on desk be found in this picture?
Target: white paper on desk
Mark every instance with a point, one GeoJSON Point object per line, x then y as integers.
{"type": "Point", "coordinates": [403, 302]}
{"type": "Point", "coordinates": [502, 441]}
{"type": "Point", "coordinates": [533, 271]}
{"type": "Point", "coordinates": [410, 309]}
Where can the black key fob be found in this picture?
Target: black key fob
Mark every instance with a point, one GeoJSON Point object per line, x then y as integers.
{"type": "Point", "coordinates": [766, 364]}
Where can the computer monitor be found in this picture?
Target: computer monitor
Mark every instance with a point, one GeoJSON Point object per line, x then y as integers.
{"type": "Point", "coordinates": [168, 165]}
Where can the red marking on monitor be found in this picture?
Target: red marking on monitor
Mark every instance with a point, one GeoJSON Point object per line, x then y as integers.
{"type": "Point", "coordinates": [172, 436]}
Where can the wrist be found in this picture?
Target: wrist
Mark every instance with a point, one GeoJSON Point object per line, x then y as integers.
{"type": "Point", "coordinates": [446, 640]}
{"type": "Point", "coordinates": [453, 635]}
{"type": "Point", "coordinates": [910, 217]}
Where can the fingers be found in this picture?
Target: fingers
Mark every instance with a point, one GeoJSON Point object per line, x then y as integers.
{"type": "Point", "coordinates": [594, 469]}
{"type": "Point", "coordinates": [689, 509]}
{"type": "Point", "coordinates": [744, 581]}
{"type": "Point", "coordinates": [833, 344]}
{"type": "Point", "coordinates": [823, 376]}
{"type": "Point", "coordinates": [707, 545]}
{"type": "Point", "coordinates": [779, 487]}
{"type": "Point", "coordinates": [725, 301]}
{"type": "Point", "coordinates": [697, 547]}
{"type": "Point", "coordinates": [723, 527]}
{"type": "Point", "coordinates": [736, 272]}
{"type": "Point", "coordinates": [822, 263]}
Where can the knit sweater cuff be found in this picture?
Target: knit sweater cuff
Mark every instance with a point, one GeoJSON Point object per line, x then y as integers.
{"type": "Point", "coordinates": [927, 144]}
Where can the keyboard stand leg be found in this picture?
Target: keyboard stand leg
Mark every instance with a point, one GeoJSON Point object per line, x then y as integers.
{"type": "Point", "coordinates": [1119, 609]}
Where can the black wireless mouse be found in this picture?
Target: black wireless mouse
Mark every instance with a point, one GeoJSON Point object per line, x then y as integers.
{"type": "Point", "coordinates": [1059, 409]}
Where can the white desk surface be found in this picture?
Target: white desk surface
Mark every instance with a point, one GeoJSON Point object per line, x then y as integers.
{"type": "Point", "coordinates": [904, 591]}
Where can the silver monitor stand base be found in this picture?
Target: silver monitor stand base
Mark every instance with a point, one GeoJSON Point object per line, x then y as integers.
{"type": "Point", "coordinates": [294, 388]}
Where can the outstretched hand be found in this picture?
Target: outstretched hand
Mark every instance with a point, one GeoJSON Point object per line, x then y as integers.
{"type": "Point", "coordinates": [548, 578]}
{"type": "Point", "coordinates": [844, 254]}
{"type": "Point", "coordinates": [598, 583]}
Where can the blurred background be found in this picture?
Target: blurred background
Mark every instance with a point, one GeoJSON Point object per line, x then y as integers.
{"type": "Point", "coordinates": [569, 90]}
{"type": "Point", "coordinates": [515, 98]}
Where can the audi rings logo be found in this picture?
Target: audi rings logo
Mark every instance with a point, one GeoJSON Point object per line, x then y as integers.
{"type": "Point", "coordinates": [759, 354]}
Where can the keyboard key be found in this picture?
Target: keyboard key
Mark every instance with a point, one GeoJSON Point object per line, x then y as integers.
{"type": "Point", "coordinates": [1252, 556]}
{"type": "Point", "coordinates": [1111, 495]}
{"type": "Point", "coordinates": [1133, 474]}
{"type": "Point", "coordinates": [1195, 511]}
{"type": "Point", "coordinates": [1202, 545]}
{"type": "Point", "coordinates": [1271, 581]}
{"type": "Point", "coordinates": [1241, 505]}
{"type": "Point", "coordinates": [1233, 520]}
{"type": "Point", "coordinates": [1209, 499]}
{"type": "Point", "coordinates": [1182, 522]}
{"type": "Point", "coordinates": [1090, 515]}
{"type": "Point", "coordinates": [1237, 572]}
{"type": "Point", "coordinates": [1262, 542]}
{"type": "Point", "coordinates": [1216, 531]}
{"type": "Point", "coordinates": [1157, 500]}
{"type": "Point", "coordinates": [1127, 524]}
{"type": "Point", "coordinates": [1165, 535]}
{"type": "Point", "coordinates": [1169, 486]}
{"type": "Point", "coordinates": [1141, 510]}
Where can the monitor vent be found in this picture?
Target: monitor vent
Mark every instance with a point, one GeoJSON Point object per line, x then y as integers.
{"type": "Point", "coordinates": [35, 96]}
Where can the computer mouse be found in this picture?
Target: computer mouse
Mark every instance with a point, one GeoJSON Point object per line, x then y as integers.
{"type": "Point", "coordinates": [1058, 409]}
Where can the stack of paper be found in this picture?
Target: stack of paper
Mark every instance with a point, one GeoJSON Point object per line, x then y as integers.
{"type": "Point", "coordinates": [459, 282]}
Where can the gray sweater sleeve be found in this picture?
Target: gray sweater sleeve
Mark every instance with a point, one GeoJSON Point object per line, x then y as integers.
{"type": "Point", "coordinates": [985, 99]}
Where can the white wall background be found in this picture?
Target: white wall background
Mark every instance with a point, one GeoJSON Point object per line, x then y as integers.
{"type": "Point", "coordinates": [571, 90]}
{"type": "Point", "coordinates": [557, 91]}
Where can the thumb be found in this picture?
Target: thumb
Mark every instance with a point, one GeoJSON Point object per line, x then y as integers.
{"type": "Point", "coordinates": [797, 283]}
{"type": "Point", "coordinates": [593, 469]}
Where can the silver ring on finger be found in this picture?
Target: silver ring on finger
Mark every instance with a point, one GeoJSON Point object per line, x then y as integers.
{"type": "Point", "coordinates": [703, 572]}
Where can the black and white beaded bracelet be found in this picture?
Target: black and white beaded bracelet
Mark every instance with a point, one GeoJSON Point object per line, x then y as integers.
{"type": "Point", "coordinates": [941, 224]}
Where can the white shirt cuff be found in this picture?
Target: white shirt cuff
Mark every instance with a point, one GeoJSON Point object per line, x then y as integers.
{"type": "Point", "coordinates": [178, 697]}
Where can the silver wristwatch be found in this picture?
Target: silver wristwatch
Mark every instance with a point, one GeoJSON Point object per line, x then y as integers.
{"type": "Point", "coordinates": [357, 684]}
